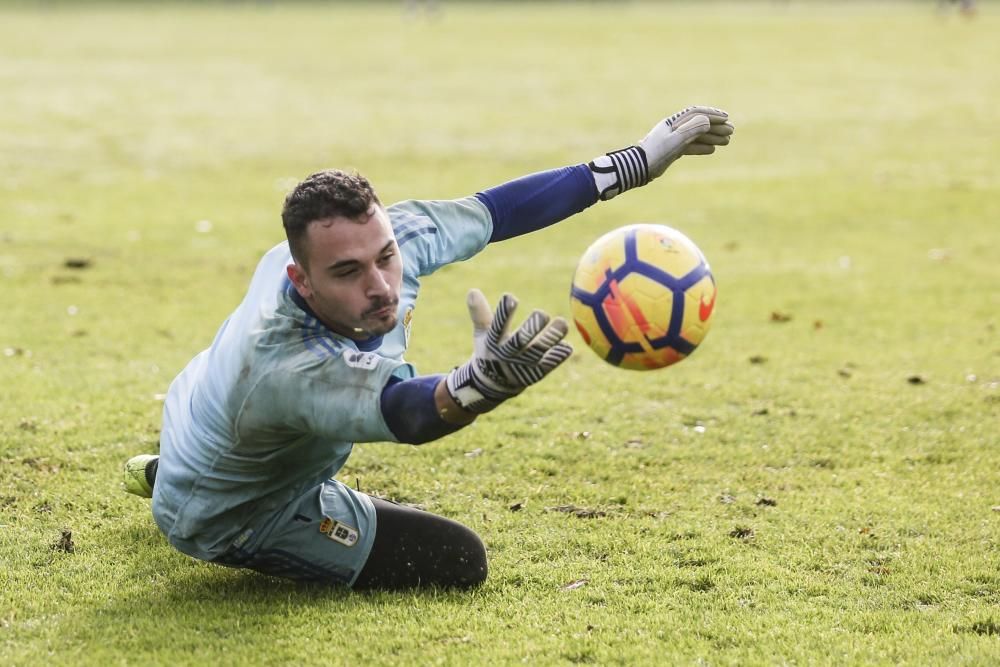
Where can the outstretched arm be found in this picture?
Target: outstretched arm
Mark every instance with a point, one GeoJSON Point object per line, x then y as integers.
{"type": "Point", "coordinates": [538, 200]}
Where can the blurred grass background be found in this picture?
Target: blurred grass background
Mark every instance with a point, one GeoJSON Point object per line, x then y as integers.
{"type": "Point", "coordinates": [818, 483]}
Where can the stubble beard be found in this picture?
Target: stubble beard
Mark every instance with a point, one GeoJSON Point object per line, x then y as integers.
{"type": "Point", "coordinates": [384, 324]}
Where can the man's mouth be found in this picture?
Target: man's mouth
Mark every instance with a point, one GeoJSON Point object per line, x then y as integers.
{"type": "Point", "coordinates": [381, 311]}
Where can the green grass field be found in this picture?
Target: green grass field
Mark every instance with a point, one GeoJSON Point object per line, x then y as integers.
{"type": "Point", "coordinates": [819, 490]}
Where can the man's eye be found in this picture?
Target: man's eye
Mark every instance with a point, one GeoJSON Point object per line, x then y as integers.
{"type": "Point", "coordinates": [384, 259]}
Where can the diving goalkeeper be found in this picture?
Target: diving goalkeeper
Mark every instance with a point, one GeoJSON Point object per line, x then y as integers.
{"type": "Point", "coordinates": [311, 362]}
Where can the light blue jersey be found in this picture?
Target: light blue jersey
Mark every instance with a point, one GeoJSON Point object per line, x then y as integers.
{"type": "Point", "coordinates": [274, 406]}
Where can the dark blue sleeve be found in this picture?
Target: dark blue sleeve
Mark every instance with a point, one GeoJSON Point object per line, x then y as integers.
{"type": "Point", "coordinates": [410, 412]}
{"type": "Point", "coordinates": [538, 200]}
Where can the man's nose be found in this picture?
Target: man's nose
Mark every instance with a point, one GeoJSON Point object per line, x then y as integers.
{"type": "Point", "coordinates": [377, 284]}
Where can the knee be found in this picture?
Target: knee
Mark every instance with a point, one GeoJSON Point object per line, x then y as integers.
{"type": "Point", "coordinates": [414, 548]}
{"type": "Point", "coordinates": [473, 566]}
{"type": "Point", "coordinates": [462, 556]}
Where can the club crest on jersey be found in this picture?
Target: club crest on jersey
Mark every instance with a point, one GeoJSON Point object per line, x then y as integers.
{"type": "Point", "coordinates": [338, 531]}
{"type": "Point", "coordinates": [363, 360]}
{"type": "Point", "coordinates": [407, 324]}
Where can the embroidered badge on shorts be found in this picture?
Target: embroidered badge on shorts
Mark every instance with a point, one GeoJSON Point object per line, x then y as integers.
{"type": "Point", "coordinates": [338, 531]}
{"type": "Point", "coordinates": [243, 538]}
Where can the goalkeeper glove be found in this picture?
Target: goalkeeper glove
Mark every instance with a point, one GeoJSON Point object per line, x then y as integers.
{"type": "Point", "coordinates": [503, 364]}
{"type": "Point", "coordinates": [691, 131]}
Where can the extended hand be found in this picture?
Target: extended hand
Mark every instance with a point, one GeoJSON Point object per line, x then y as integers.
{"type": "Point", "coordinates": [503, 365]}
{"type": "Point", "coordinates": [691, 131]}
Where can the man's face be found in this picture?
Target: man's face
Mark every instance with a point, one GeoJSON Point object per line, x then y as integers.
{"type": "Point", "coordinates": [354, 274]}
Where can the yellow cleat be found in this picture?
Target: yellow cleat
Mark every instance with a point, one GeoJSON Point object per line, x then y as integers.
{"type": "Point", "coordinates": [135, 475]}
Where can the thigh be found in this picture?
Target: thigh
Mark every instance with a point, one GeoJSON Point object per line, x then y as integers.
{"type": "Point", "coordinates": [325, 535]}
{"type": "Point", "coordinates": [415, 548]}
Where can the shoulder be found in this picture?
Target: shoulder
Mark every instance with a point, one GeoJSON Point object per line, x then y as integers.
{"type": "Point", "coordinates": [434, 233]}
{"type": "Point", "coordinates": [435, 211]}
{"type": "Point", "coordinates": [410, 220]}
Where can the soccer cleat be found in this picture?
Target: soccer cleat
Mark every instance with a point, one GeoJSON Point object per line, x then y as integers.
{"type": "Point", "coordinates": [135, 477]}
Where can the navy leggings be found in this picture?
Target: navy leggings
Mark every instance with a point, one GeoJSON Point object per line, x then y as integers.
{"type": "Point", "coordinates": [413, 548]}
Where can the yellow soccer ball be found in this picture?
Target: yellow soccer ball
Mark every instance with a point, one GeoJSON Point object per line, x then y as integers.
{"type": "Point", "coordinates": [643, 297]}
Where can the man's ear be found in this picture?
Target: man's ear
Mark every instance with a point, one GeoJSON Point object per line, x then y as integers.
{"type": "Point", "coordinates": [299, 279]}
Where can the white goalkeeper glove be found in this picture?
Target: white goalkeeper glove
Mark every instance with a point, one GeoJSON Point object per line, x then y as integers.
{"type": "Point", "coordinates": [691, 131]}
{"type": "Point", "coordinates": [503, 364]}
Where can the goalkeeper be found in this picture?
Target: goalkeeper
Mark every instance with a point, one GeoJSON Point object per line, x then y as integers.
{"type": "Point", "coordinates": [311, 362]}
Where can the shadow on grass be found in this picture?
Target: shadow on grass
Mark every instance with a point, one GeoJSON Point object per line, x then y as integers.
{"type": "Point", "coordinates": [163, 600]}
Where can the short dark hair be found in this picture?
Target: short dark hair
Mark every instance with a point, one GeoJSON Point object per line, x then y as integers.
{"type": "Point", "coordinates": [325, 194]}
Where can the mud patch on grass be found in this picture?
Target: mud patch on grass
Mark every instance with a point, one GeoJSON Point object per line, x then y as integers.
{"type": "Point", "coordinates": [581, 512]}
{"type": "Point", "coordinates": [989, 628]}
{"type": "Point", "coordinates": [700, 584]}
{"type": "Point", "coordinates": [65, 542]}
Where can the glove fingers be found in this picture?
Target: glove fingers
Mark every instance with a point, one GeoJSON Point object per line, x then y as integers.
{"type": "Point", "coordinates": [722, 129]}
{"type": "Point", "coordinates": [544, 341]}
{"type": "Point", "coordinates": [524, 334]}
{"type": "Point", "coordinates": [699, 149]}
{"type": "Point", "coordinates": [555, 356]}
{"type": "Point", "coordinates": [712, 139]}
{"type": "Point", "coordinates": [691, 129]}
{"type": "Point", "coordinates": [529, 374]}
{"type": "Point", "coordinates": [715, 116]}
{"type": "Point", "coordinates": [479, 310]}
{"type": "Point", "coordinates": [697, 123]}
{"type": "Point", "coordinates": [501, 320]}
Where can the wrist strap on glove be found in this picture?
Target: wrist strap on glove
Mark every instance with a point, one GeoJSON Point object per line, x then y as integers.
{"type": "Point", "coordinates": [620, 170]}
{"type": "Point", "coordinates": [469, 394]}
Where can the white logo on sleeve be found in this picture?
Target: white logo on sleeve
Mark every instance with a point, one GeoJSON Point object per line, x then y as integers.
{"type": "Point", "coordinates": [363, 360]}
